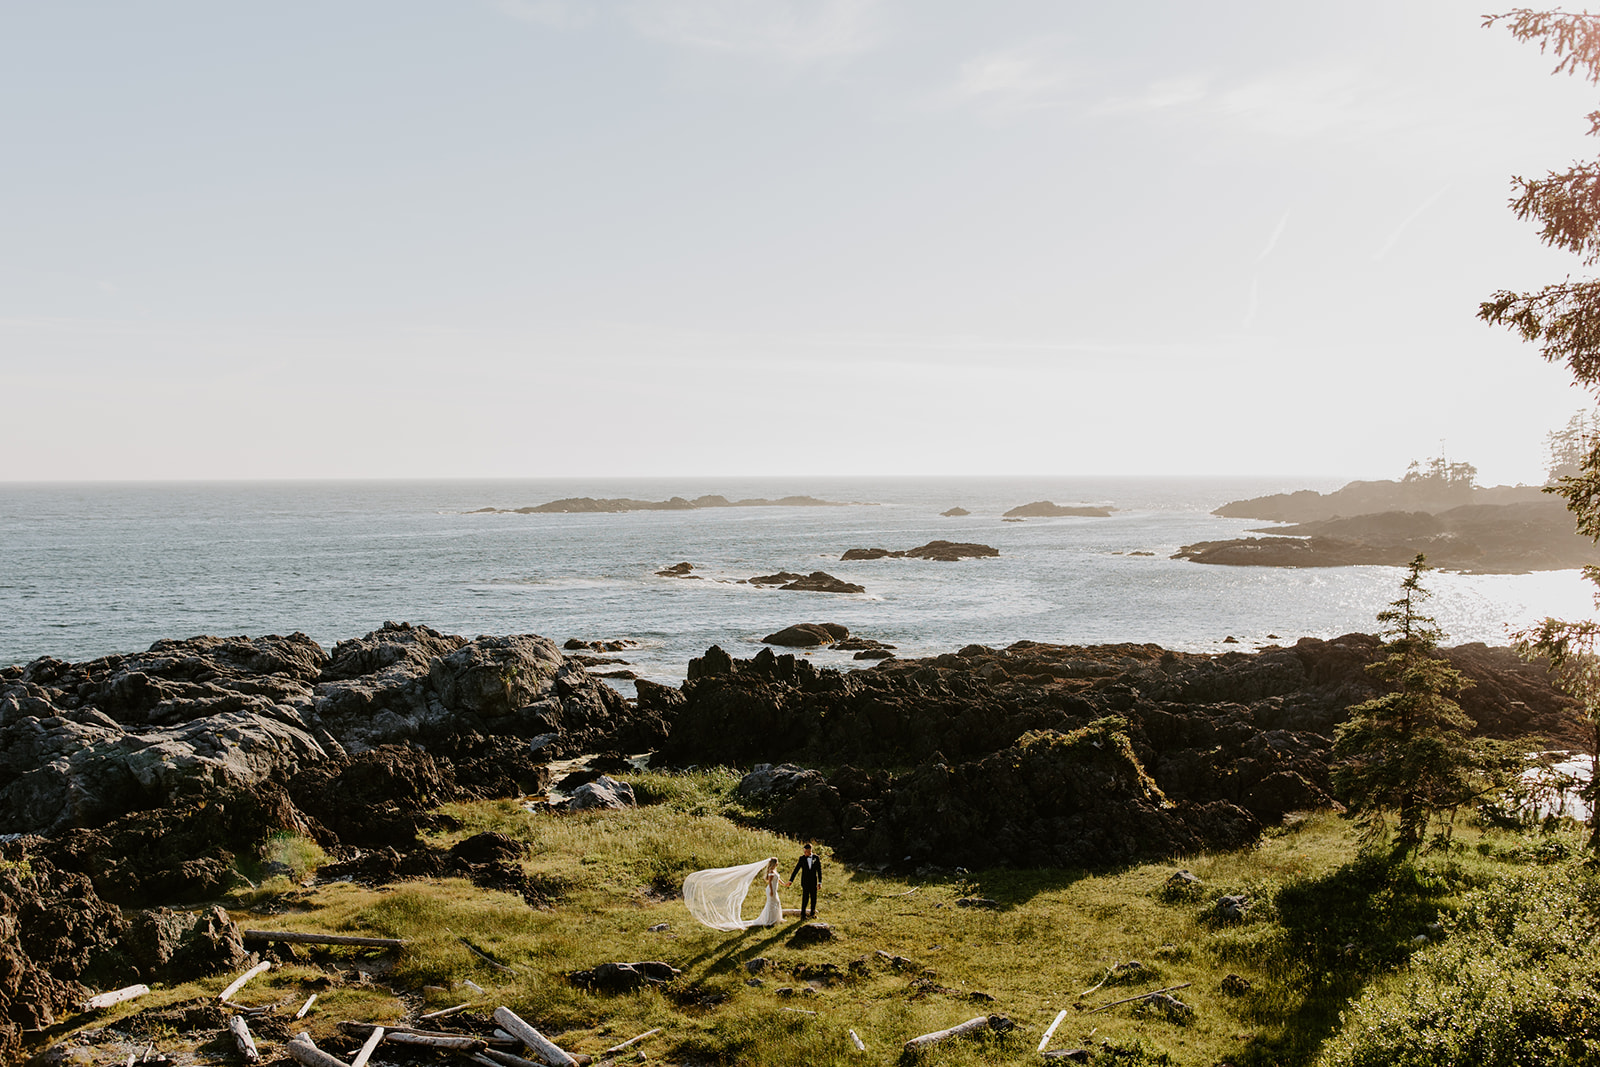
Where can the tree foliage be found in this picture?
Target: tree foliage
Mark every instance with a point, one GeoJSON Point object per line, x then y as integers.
{"type": "Point", "coordinates": [1407, 752]}
{"type": "Point", "coordinates": [1563, 320]}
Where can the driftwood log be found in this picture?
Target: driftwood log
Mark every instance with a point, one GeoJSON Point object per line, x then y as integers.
{"type": "Point", "coordinates": [508, 1059]}
{"type": "Point", "coordinates": [361, 1030]}
{"type": "Point", "coordinates": [301, 1014]}
{"type": "Point", "coordinates": [321, 939]}
{"type": "Point", "coordinates": [442, 1012]}
{"type": "Point", "coordinates": [116, 996]}
{"type": "Point", "coordinates": [368, 1047]}
{"type": "Point", "coordinates": [243, 1038]}
{"type": "Point", "coordinates": [303, 1050]}
{"type": "Point", "coordinates": [855, 1039]}
{"type": "Point", "coordinates": [918, 1045]}
{"type": "Point", "coordinates": [547, 1050]}
{"type": "Point", "coordinates": [238, 983]}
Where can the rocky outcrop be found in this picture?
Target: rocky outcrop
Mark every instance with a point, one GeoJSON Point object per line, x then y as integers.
{"type": "Point", "coordinates": [1045, 509]}
{"type": "Point", "coordinates": [81, 744]}
{"type": "Point", "coordinates": [1208, 746]}
{"type": "Point", "coordinates": [945, 551]}
{"type": "Point", "coordinates": [822, 582]}
{"type": "Point", "coordinates": [955, 512]}
{"type": "Point", "coordinates": [808, 635]}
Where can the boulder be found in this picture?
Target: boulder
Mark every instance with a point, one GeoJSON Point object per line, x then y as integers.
{"type": "Point", "coordinates": [807, 635]}
{"type": "Point", "coordinates": [604, 792]}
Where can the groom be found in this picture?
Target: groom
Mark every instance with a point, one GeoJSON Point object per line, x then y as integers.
{"type": "Point", "coordinates": [809, 868]}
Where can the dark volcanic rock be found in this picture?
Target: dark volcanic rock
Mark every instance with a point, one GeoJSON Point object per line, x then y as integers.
{"type": "Point", "coordinates": [58, 945]}
{"type": "Point", "coordinates": [823, 582]}
{"type": "Point", "coordinates": [808, 635]}
{"type": "Point", "coordinates": [946, 551]}
{"type": "Point", "coordinates": [776, 579]}
{"type": "Point", "coordinates": [1215, 744]}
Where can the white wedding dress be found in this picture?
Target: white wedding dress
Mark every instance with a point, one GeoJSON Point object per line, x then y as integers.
{"type": "Point", "coordinates": [716, 897]}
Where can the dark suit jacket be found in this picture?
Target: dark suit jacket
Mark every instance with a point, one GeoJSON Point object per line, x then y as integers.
{"type": "Point", "coordinates": [809, 868]}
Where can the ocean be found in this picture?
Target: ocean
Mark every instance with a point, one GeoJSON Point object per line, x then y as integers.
{"type": "Point", "coordinates": [94, 569]}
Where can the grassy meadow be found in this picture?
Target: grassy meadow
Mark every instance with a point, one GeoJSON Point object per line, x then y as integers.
{"type": "Point", "coordinates": [1320, 927]}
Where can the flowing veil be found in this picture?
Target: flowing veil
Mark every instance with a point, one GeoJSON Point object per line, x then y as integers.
{"type": "Point", "coordinates": [715, 897]}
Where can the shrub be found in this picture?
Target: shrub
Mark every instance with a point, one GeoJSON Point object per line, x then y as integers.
{"type": "Point", "coordinates": [1515, 984]}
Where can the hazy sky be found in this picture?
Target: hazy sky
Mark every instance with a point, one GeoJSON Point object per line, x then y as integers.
{"type": "Point", "coordinates": [421, 238]}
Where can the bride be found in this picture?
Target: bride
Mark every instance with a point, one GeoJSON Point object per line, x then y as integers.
{"type": "Point", "coordinates": [717, 896]}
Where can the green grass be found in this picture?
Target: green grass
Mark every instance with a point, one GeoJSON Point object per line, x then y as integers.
{"type": "Point", "coordinates": [1321, 928]}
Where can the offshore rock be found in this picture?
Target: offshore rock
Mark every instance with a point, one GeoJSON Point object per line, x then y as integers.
{"type": "Point", "coordinates": [808, 635]}
{"type": "Point", "coordinates": [946, 551]}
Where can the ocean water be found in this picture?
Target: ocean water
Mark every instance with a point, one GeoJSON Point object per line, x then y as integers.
{"type": "Point", "coordinates": [89, 570]}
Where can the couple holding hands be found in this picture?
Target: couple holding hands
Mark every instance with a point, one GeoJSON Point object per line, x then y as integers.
{"type": "Point", "coordinates": [716, 897]}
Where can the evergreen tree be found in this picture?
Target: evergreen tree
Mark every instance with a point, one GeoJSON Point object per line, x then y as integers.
{"type": "Point", "coordinates": [1563, 319]}
{"type": "Point", "coordinates": [1407, 752]}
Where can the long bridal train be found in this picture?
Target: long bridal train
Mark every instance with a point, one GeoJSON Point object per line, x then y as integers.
{"type": "Point", "coordinates": [716, 897]}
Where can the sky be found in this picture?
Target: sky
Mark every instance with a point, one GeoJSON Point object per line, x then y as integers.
{"type": "Point", "coordinates": [588, 238]}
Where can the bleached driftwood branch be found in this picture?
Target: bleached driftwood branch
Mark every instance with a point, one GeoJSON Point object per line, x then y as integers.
{"type": "Point", "coordinates": [321, 939]}
{"type": "Point", "coordinates": [116, 996]}
{"type": "Point", "coordinates": [238, 983]}
{"type": "Point", "coordinates": [855, 1039]}
{"type": "Point", "coordinates": [367, 1048]}
{"type": "Point", "coordinates": [301, 1014]}
{"type": "Point", "coordinates": [918, 1045]}
{"type": "Point", "coordinates": [631, 1041]}
{"type": "Point", "coordinates": [1048, 1034]}
{"type": "Point", "coordinates": [303, 1050]}
{"type": "Point", "coordinates": [547, 1050]}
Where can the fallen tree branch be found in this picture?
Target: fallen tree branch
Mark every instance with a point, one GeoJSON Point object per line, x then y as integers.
{"type": "Point", "coordinates": [630, 1041]}
{"type": "Point", "coordinates": [1048, 1034]}
{"type": "Point", "coordinates": [549, 1051]}
{"type": "Point", "coordinates": [442, 1012]}
{"type": "Point", "coordinates": [918, 1045]}
{"type": "Point", "coordinates": [321, 939]}
{"type": "Point", "coordinates": [301, 1014]}
{"type": "Point", "coordinates": [367, 1048]}
{"type": "Point", "coordinates": [1141, 996]}
{"type": "Point", "coordinates": [496, 964]}
{"type": "Point", "coordinates": [1109, 972]}
{"type": "Point", "coordinates": [238, 983]}
{"type": "Point", "coordinates": [303, 1050]}
{"type": "Point", "coordinates": [116, 996]}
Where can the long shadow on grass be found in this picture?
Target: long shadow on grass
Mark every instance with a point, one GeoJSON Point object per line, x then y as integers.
{"type": "Point", "coordinates": [725, 953]}
{"type": "Point", "coordinates": [1340, 931]}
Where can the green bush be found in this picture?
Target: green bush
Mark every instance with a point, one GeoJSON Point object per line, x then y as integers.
{"type": "Point", "coordinates": [1515, 984]}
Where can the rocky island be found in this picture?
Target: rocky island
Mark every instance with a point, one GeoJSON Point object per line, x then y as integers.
{"type": "Point", "coordinates": [1045, 509]}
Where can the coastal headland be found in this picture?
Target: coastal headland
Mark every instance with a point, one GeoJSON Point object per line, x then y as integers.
{"type": "Point", "coordinates": [146, 781]}
{"type": "Point", "coordinates": [1456, 525]}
